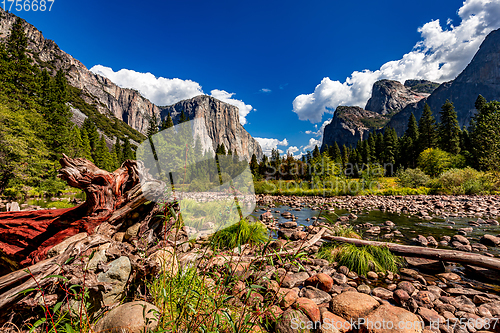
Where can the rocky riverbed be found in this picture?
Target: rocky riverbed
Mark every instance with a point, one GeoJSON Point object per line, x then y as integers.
{"type": "Point", "coordinates": [306, 292]}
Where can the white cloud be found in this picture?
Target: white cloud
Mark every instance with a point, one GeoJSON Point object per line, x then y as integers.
{"type": "Point", "coordinates": [160, 91]}
{"type": "Point", "coordinates": [440, 56]}
{"type": "Point", "coordinates": [312, 143]}
{"type": "Point", "coordinates": [163, 91]}
{"type": "Point", "coordinates": [265, 90]}
{"type": "Point", "coordinates": [224, 96]}
{"type": "Point", "coordinates": [292, 150]}
{"type": "Point", "coordinates": [268, 145]}
{"type": "Point", "coordinates": [319, 132]}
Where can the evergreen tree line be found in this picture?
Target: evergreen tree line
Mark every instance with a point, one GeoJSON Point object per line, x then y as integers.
{"type": "Point", "coordinates": [477, 146]}
{"type": "Point", "coordinates": [36, 121]}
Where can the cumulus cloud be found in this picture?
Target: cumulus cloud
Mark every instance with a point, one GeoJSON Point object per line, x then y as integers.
{"type": "Point", "coordinates": [268, 144]}
{"type": "Point", "coordinates": [312, 143]}
{"type": "Point", "coordinates": [160, 91]}
{"type": "Point", "coordinates": [292, 150]}
{"type": "Point", "coordinates": [163, 91]}
{"type": "Point", "coordinates": [439, 56]}
{"type": "Point", "coordinates": [224, 96]}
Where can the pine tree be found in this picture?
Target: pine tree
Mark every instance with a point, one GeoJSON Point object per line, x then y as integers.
{"type": "Point", "coordinates": [21, 71]}
{"type": "Point", "coordinates": [167, 123]}
{"type": "Point", "coordinates": [334, 152]}
{"type": "Point", "coordinates": [427, 130]}
{"type": "Point", "coordinates": [128, 153]}
{"type": "Point", "coordinates": [409, 144]}
{"type": "Point", "coordinates": [379, 147]}
{"type": "Point", "coordinates": [316, 152]}
{"type": "Point", "coordinates": [86, 148]}
{"type": "Point", "coordinates": [92, 133]}
{"type": "Point", "coordinates": [254, 165]}
{"type": "Point", "coordinates": [153, 126]}
{"type": "Point", "coordinates": [75, 146]}
{"type": "Point", "coordinates": [183, 118]}
{"type": "Point", "coordinates": [391, 146]}
{"type": "Point", "coordinates": [485, 136]}
{"type": "Point", "coordinates": [119, 152]}
{"type": "Point", "coordinates": [449, 131]}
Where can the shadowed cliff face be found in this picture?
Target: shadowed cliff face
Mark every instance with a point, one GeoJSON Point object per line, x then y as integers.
{"type": "Point", "coordinates": [481, 76]}
{"type": "Point", "coordinates": [350, 124]}
{"type": "Point", "coordinates": [127, 104]}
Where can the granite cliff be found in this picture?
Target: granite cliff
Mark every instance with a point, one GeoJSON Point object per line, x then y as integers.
{"type": "Point", "coordinates": [350, 124]}
{"type": "Point", "coordinates": [390, 96]}
{"type": "Point", "coordinates": [481, 76]}
{"type": "Point", "coordinates": [123, 104]}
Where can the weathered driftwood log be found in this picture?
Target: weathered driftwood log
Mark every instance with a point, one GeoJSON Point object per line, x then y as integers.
{"type": "Point", "coordinates": [26, 236]}
{"type": "Point", "coordinates": [424, 252]}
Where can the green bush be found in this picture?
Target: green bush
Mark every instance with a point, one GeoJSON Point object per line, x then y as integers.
{"type": "Point", "coordinates": [412, 178]}
{"type": "Point", "coordinates": [465, 181]}
{"type": "Point", "coordinates": [434, 161]}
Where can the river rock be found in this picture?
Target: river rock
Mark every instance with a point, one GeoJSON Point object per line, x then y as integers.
{"type": "Point", "coordinates": [294, 280]}
{"type": "Point", "coordinates": [116, 276]}
{"type": "Point", "coordinates": [309, 307]}
{"type": "Point", "coordinates": [321, 281]}
{"type": "Point", "coordinates": [165, 260]}
{"type": "Point", "coordinates": [388, 318]}
{"type": "Point", "coordinates": [316, 295]}
{"type": "Point", "coordinates": [12, 207]}
{"type": "Point", "coordinates": [133, 317]}
{"type": "Point", "coordinates": [382, 293]}
{"type": "Point", "coordinates": [287, 297]}
{"type": "Point", "coordinates": [293, 321]}
{"type": "Point", "coordinates": [351, 304]}
{"type": "Point", "coordinates": [332, 323]}
{"type": "Point", "coordinates": [61, 247]}
{"type": "Point", "coordinates": [490, 240]}
{"type": "Point", "coordinates": [461, 239]}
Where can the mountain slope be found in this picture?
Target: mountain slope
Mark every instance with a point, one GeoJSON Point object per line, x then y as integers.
{"type": "Point", "coordinates": [108, 104]}
{"type": "Point", "coordinates": [481, 76]}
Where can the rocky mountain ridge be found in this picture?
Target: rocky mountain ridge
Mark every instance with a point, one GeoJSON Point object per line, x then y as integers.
{"type": "Point", "coordinates": [396, 101]}
{"type": "Point", "coordinates": [390, 96]}
{"type": "Point", "coordinates": [480, 77]}
{"type": "Point", "coordinates": [124, 104]}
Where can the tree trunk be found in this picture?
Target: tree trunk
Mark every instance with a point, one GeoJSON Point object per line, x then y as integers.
{"type": "Point", "coordinates": [26, 236]}
{"type": "Point", "coordinates": [424, 252]}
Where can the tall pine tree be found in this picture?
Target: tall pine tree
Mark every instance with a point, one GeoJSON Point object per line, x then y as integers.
{"type": "Point", "coordinates": [427, 130]}
{"type": "Point", "coordinates": [449, 131]}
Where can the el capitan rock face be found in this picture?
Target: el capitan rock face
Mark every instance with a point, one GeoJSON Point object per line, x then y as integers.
{"type": "Point", "coordinates": [391, 96]}
{"type": "Point", "coordinates": [221, 122]}
{"type": "Point", "coordinates": [480, 77]}
{"type": "Point", "coordinates": [129, 105]}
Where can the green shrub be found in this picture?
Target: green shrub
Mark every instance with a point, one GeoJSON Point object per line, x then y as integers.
{"type": "Point", "coordinates": [239, 234]}
{"type": "Point", "coordinates": [412, 178]}
{"type": "Point", "coordinates": [52, 187]}
{"type": "Point", "coordinates": [434, 161]}
{"type": "Point", "coordinates": [464, 181]}
{"type": "Point", "coordinates": [59, 205]}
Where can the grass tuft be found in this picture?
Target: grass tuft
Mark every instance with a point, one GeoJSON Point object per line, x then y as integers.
{"type": "Point", "coordinates": [361, 259]}
{"type": "Point", "coordinates": [239, 234]}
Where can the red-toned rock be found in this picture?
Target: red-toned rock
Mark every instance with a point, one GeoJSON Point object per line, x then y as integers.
{"type": "Point", "coordinates": [310, 308]}
{"type": "Point", "coordinates": [320, 281]}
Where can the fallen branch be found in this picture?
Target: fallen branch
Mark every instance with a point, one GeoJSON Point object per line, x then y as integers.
{"type": "Point", "coordinates": [424, 252]}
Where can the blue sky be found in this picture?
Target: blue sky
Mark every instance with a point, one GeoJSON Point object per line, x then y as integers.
{"type": "Point", "coordinates": [285, 64]}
